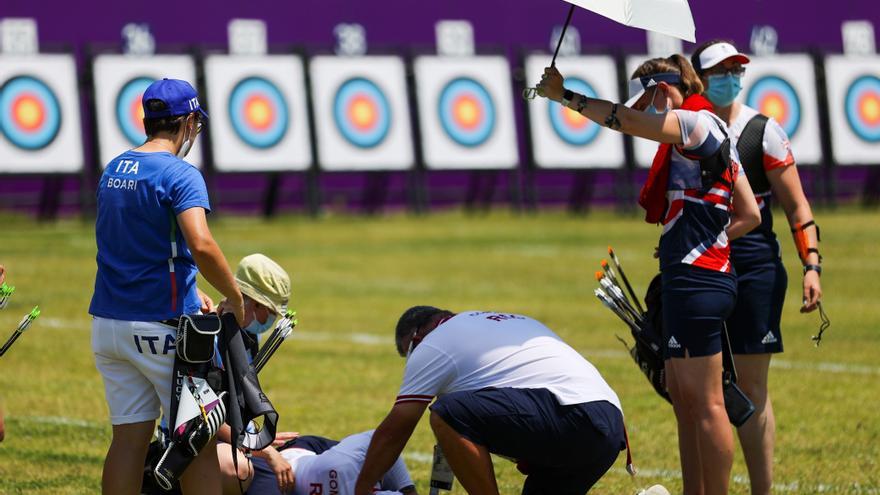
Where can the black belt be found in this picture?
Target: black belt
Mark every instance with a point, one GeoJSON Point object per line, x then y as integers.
{"type": "Point", "coordinates": [171, 322]}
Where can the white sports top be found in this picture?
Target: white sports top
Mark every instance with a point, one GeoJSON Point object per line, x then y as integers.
{"type": "Point", "coordinates": [336, 470]}
{"type": "Point", "coordinates": [478, 349]}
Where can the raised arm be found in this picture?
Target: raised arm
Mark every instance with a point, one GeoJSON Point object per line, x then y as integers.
{"type": "Point", "coordinates": [661, 128]}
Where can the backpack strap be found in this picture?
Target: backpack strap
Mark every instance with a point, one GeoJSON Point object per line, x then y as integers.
{"type": "Point", "coordinates": [751, 153]}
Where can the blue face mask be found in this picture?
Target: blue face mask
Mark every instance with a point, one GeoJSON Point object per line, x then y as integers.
{"type": "Point", "coordinates": [651, 109]}
{"type": "Point", "coordinates": [723, 89]}
{"type": "Point", "coordinates": [256, 328]}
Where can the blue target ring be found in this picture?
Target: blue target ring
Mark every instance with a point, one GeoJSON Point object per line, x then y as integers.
{"type": "Point", "coordinates": [130, 109]}
{"type": "Point", "coordinates": [30, 116]}
{"type": "Point", "coordinates": [862, 108]}
{"type": "Point", "coordinates": [361, 112]}
{"type": "Point", "coordinates": [258, 112]}
{"type": "Point", "coordinates": [775, 97]}
{"type": "Point", "coordinates": [571, 127]}
{"type": "Point", "coordinates": [467, 112]}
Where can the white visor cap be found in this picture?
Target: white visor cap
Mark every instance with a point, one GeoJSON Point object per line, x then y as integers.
{"type": "Point", "coordinates": [717, 53]}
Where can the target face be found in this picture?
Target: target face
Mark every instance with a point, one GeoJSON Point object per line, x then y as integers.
{"type": "Point", "coordinates": [30, 116]}
{"type": "Point", "coordinates": [130, 109]}
{"type": "Point", "coordinates": [258, 112]}
{"type": "Point", "coordinates": [775, 97]}
{"type": "Point", "coordinates": [570, 126]}
{"type": "Point", "coordinates": [862, 108]}
{"type": "Point", "coordinates": [361, 112]}
{"type": "Point", "coordinates": [467, 112]}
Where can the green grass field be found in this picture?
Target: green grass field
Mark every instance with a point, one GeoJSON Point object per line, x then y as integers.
{"type": "Point", "coordinates": [352, 278]}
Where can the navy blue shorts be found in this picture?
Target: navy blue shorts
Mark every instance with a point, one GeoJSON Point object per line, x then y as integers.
{"type": "Point", "coordinates": [754, 325]}
{"type": "Point", "coordinates": [563, 450]}
{"type": "Point", "coordinates": [696, 301]}
{"type": "Point", "coordinates": [265, 482]}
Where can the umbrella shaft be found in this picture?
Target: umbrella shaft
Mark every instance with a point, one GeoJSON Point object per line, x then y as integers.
{"type": "Point", "coordinates": [562, 35]}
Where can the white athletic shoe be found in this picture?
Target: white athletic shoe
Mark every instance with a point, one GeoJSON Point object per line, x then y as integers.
{"type": "Point", "coordinates": [655, 490]}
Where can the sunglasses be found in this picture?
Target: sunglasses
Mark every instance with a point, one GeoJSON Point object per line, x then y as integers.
{"type": "Point", "coordinates": [721, 71]}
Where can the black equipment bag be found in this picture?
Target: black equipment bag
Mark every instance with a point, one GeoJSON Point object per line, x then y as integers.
{"type": "Point", "coordinates": [648, 351]}
{"type": "Point", "coordinates": [244, 399]}
{"type": "Point", "coordinates": [247, 401]}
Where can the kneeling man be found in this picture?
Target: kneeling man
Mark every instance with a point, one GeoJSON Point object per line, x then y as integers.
{"type": "Point", "coordinates": [504, 384]}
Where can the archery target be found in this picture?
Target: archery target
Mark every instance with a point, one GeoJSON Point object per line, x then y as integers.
{"type": "Point", "coordinates": [30, 115]}
{"type": "Point", "coordinates": [260, 119]}
{"type": "Point", "coordinates": [258, 112]}
{"type": "Point", "coordinates": [854, 108]}
{"type": "Point", "coordinates": [119, 84]}
{"type": "Point", "coordinates": [775, 97]}
{"type": "Point", "coordinates": [130, 109]}
{"type": "Point", "coordinates": [561, 138]}
{"type": "Point", "coordinates": [39, 114]}
{"type": "Point", "coordinates": [466, 112]}
{"type": "Point", "coordinates": [862, 108]}
{"type": "Point", "coordinates": [361, 113]}
{"type": "Point", "coordinates": [784, 87]}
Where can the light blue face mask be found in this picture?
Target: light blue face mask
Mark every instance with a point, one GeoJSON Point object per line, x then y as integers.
{"type": "Point", "coordinates": [651, 109]}
{"type": "Point", "coordinates": [723, 89]}
{"type": "Point", "coordinates": [256, 328]}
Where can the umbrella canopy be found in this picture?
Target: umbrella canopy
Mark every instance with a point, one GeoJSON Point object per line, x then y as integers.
{"type": "Point", "coordinates": [671, 17]}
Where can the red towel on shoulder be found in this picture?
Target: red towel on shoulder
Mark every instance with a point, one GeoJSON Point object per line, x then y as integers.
{"type": "Point", "coordinates": [653, 194]}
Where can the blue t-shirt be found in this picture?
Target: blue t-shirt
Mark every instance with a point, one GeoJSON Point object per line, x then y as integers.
{"type": "Point", "coordinates": [145, 269]}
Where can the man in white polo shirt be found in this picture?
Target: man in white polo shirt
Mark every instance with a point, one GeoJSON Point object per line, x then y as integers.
{"type": "Point", "coordinates": [504, 384]}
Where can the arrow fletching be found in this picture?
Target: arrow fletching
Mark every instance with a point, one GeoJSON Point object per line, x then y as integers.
{"type": "Point", "coordinates": [22, 326]}
{"type": "Point", "coordinates": [6, 292]}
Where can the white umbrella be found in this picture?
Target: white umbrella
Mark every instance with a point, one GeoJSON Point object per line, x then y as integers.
{"type": "Point", "coordinates": [670, 17]}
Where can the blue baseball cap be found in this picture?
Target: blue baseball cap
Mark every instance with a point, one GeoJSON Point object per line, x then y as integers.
{"type": "Point", "coordinates": [179, 98]}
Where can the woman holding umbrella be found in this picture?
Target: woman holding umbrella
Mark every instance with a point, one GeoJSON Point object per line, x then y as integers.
{"type": "Point", "coordinates": [765, 154]}
{"type": "Point", "coordinates": [697, 190]}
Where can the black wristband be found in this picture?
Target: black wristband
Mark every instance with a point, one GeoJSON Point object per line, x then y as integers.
{"type": "Point", "coordinates": [611, 121]}
{"type": "Point", "coordinates": [582, 104]}
{"type": "Point", "coordinates": [815, 268]}
{"type": "Point", "coordinates": [567, 96]}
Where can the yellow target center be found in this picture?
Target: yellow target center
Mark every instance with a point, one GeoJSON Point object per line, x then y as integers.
{"type": "Point", "coordinates": [871, 109]}
{"type": "Point", "coordinates": [362, 113]}
{"type": "Point", "coordinates": [467, 112]}
{"type": "Point", "coordinates": [259, 113]}
{"type": "Point", "coordinates": [774, 107]}
{"type": "Point", "coordinates": [574, 119]}
{"type": "Point", "coordinates": [28, 113]}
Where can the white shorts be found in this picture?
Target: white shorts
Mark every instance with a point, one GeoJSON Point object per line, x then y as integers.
{"type": "Point", "coordinates": [136, 361]}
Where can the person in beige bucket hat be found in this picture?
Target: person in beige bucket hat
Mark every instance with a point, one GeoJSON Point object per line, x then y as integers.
{"type": "Point", "coordinates": [266, 290]}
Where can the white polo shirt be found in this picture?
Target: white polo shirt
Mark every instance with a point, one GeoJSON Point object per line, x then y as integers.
{"type": "Point", "coordinates": [336, 470]}
{"type": "Point", "coordinates": [478, 349]}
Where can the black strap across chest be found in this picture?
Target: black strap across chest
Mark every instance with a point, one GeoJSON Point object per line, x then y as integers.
{"type": "Point", "coordinates": [751, 153]}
